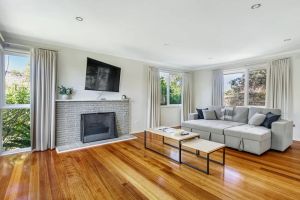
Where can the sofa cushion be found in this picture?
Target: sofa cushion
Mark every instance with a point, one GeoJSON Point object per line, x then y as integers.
{"type": "Point", "coordinates": [257, 119]}
{"type": "Point", "coordinates": [253, 110]}
{"type": "Point", "coordinates": [212, 126]}
{"type": "Point", "coordinates": [228, 113]}
{"type": "Point", "coordinates": [270, 118]}
{"type": "Point", "coordinates": [209, 115]}
{"type": "Point", "coordinates": [240, 114]}
{"type": "Point", "coordinates": [257, 133]}
{"type": "Point", "coordinates": [200, 113]}
{"type": "Point", "coordinates": [218, 110]}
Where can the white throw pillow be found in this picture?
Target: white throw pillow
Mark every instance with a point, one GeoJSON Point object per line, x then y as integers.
{"type": "Point", "coordinates": [209, 114]}
{"type": "Point", "coordinates": [257, 119]}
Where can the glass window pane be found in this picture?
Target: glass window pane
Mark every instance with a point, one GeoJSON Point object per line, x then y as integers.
{"type": "Point", "coordinates": [164, 78]}
{"type": "Point", "coordinates": [15, 128]}
{"type": "Point", "coordinates": [234, 89]}
{"type": "Point", "coordinates": [257, 87]}
{"type": "Point", "coordinates": [175, 88]}
{"type": "Point", "coordinates": [17, 79]}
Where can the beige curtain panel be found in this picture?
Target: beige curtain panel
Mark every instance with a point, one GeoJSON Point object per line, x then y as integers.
{"type": "Point", "coordinates": [279, 86]}
{"type": "Point", "coordinates": [186, 96]}
{"type": "Point", "coordinates": [153, 119]}
{"type": "Point", "coordinates": [218, 88]}
{"type": "Point", "coordinates": [43, 99]}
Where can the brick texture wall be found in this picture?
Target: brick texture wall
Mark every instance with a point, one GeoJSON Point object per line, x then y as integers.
{"type": "Point", "coordinates": [68, 117]}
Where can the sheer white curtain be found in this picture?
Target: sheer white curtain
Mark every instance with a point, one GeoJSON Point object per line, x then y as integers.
{"type": "Point", "coordinates": [218, 88]}
{"type": "Point", "coordinates": [186, 95]}
{"type": "Point", "coordinates": [153, 119]}
{"type": "Point", "coordinates": [279, 86]}
{"type": "Point", "coordinates": [43, 87]}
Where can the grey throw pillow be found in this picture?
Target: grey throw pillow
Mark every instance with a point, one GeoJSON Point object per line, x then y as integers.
{"type": "Point", "coordinates": [257, 119]}
{"type": "Point", "coordinates": [209, 114]}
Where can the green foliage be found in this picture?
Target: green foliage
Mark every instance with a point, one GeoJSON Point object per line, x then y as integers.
{"type": "Point", "coordinates": [16, 122]}
{"type": "Point", "coordinates": [16, 94]}
{"type": "Point", "coordinates": [16, 128]}
{"type": "Point", "coordinates": [175, 89]}
{"type": "Point", "coordinates": [163, 88]}
{"type": "Point", "coordinates": [65, 91]}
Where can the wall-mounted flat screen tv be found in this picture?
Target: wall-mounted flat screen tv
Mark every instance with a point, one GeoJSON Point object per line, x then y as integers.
{"type": "Point", "coordinates": [101, 76]}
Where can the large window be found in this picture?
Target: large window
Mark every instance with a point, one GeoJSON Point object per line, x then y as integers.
{"type": "Point", "coordinates": [171, 88]}
{"type": "Point", "coordinates": [245, 87]}
{"type": "Point", "coordinates": [15, 101]}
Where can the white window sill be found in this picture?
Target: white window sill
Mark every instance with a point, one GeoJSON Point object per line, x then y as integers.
{"type": "Point", "coordinates": [15, 151]}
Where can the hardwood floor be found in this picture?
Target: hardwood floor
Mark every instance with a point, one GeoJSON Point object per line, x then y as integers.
{"type": "Point", "coordinates": [127, 171]}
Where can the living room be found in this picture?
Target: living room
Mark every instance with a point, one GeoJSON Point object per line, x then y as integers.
{"type": "Point", "coordinates": [149, 100]}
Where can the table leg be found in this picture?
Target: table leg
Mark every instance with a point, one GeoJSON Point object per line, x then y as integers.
{"type": "Point", "coordinates": [207, 164]}
{"type": "Point", "coordinates": [145, 139]}
{"type": "Point", "coordinates": [179, 151]}
{"type": "Point", "coordinates": [224, 156]}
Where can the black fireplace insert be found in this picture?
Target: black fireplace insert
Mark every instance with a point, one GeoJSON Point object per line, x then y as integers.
{"type": "Point", "coordinates": [98, 126]}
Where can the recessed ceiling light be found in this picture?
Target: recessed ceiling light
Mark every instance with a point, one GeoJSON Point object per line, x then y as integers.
{"type": "Point", "coordinates": [255, 6]}
{"type": "Point", "coordinates": [80, 19]}
{"type": "Point", "coordinates": [287, 40]}
{"type": "Point", "coordinates": [166, 44]}
{"type": "Point", "coordinates": [210, 58]}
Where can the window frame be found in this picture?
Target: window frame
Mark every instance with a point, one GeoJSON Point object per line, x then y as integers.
{"type": "Point", "coordinates": [3, 105]}
{"type": "Point", "coordinates": [246, 71]}
{"type": "Point", "coordinates": [168, 88]}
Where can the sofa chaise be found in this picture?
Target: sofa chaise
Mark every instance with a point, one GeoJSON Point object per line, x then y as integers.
{"type": "Point", "coordinates": [238, 134]}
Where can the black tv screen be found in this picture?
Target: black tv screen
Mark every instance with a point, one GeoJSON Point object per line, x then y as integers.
{"type": "Point", "coordinates": [102, 76]}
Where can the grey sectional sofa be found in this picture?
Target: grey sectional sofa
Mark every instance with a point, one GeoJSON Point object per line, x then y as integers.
{"type": "Point", "coordinates": [238, 134]}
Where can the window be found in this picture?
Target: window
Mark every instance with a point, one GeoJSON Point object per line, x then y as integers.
{"type": "Point", "coordinates": [257, 87]}
{"type": "Point", "coordinates": [170, 88]}
{"type": "Point", "coordinates": [15, 101]}
{"type": "Point", "coordinates": [245, 87]}
{"type": "Point", "coordinates": [234, 89]}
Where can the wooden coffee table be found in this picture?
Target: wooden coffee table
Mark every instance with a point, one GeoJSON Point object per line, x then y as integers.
{"type": "Point", "coordinates": [174, 136]}
{"type": "Point", "coordinates": [205, 146]}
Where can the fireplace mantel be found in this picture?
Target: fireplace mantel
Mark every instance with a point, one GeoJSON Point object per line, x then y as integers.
{"type": "Point", "coordinates": [68, 114]}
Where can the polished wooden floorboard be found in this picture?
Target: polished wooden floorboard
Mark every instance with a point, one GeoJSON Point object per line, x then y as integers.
{"type": "Point", "coordinates": [127, 171]}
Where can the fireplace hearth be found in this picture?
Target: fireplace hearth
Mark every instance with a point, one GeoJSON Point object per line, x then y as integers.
{"type": "Point", "coordinates": [98, 126]}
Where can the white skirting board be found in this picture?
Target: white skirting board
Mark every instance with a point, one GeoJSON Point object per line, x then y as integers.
{"type": "Point", "coordinates": [80, 145]}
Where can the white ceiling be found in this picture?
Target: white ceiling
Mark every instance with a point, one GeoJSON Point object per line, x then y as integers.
{"type": "Point", "coordinates": [186, 33]}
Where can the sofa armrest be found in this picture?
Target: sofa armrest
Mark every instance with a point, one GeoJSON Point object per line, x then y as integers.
{"type": "Point", "coordinates": [282, 134]}
{"type": "Point", "coordinates": [193, 116]}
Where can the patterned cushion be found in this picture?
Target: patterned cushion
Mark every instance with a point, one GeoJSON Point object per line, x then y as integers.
{"type": "Point", "coordinates": [228, 113]}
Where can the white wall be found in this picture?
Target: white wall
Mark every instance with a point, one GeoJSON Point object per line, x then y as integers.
{"type": "Point", "coordinates": [202, 80]}
{"type": "Point", "coordinates": [202, 88]}
{"type": "Point", "coordinates": [296, 99]}
{"type": "Point", "coordinates": [170, 116]}
{"type": "Point", "coordinates": [71, 73]}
